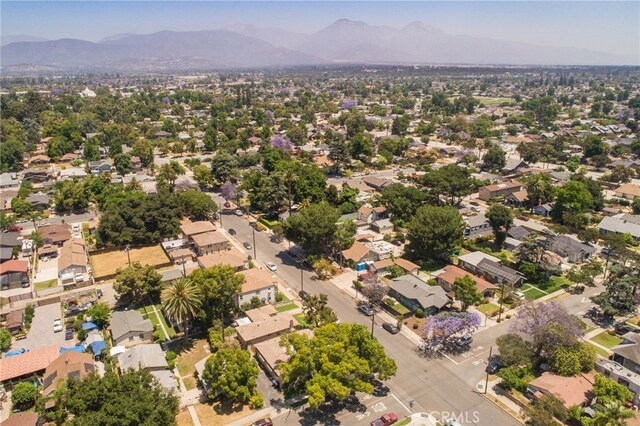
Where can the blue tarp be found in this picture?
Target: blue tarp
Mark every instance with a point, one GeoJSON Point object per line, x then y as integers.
{"type": "Point", "coordinates": [361, 266]}
{"type": "Point", "coordinates": [97, 347]}
{"type": "Point", "coordinates": [78, 348]}
{"type": "Point", "coordinates": [89, 326]}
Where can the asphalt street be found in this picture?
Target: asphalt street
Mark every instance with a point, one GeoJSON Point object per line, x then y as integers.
{"type": "Point", "coordinates": [438, 386]}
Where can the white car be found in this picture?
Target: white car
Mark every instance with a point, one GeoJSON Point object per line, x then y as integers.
{"type": "Point", "coordinates": [518, 295]}
{"type": "Point", "coordinates": [272, 266]}
{"type": "Point", "coordinates": [57, 325]}
{"type": "Point", "coordinates": [75, 227]}
{"type": "Point", "coordinates": [238, 212]}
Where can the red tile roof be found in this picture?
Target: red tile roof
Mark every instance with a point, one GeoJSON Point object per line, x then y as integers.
{"type": "Point", "coordinates": [14, 266]}
{"type": "Point", "coordinates": [27, 363]}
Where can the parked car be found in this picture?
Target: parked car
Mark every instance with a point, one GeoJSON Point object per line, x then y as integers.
{"type": "Point", "coordinates": [272, 266]}
{"type": "Point", "coordinates": [464, 340]}
{"type": "Point", "coordinates": [248, 246]}
{"type": "Point", "coordinates": [99, 293]}
{"type": "Point", "coordinates": [366, 309]}
{"type": "Point", "coordinates": [263, 422]}
{"type": "Point", "coordinates": [519, 295]}
{"type": "Point", "coordinates": [303, 295]}
{"type": "Point", "coordinates": [75, 227]}
{"type": "Point", "coordinates": [69, 333]}
{"type": "Point", "coordinates": [391, 328]}
{"type": "Point", "coordinates": [15, 228]}
{"type": "Point", "coordinates": [494, 366]}
{"type": "Point", "coordinates": [232, 231]}
{"type": "Point", "coordinates": [238, 212]}
{"type": "Point", "coordinates": [15, 352]}
{"type": "Point", "coordinates": [385, 420]}
{"type": "Point", "coordinates": [453, 422]}
{"type": "Point", "coordinates": [57, 325]}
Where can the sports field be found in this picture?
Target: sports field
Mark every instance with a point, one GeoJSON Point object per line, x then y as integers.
{"type": "Point", "coordinates": [105, 264]}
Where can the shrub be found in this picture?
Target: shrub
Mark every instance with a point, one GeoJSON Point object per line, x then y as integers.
{"type": "Point", "coordinates": [256, 401]}
{"type": "Point", "coordinates": [171, 359]}
{"type": "Point", "coordinates": [24, 395]}
{"type": "Point", "coordinates": [415, 326]}
{"type": "Point", "coordinates": [419, 313]}
{"type": "Point", "coordinates": [5, 339]}
{"type": "Point", "coordinates": [516, 378]}
{"type": "Point", "coordinates": [279, 296]}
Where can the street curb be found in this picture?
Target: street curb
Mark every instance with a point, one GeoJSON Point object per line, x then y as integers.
{"type": "Point", "coordinates": [506, 411]}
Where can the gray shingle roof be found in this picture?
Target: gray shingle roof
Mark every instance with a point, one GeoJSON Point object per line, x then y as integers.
{"type": "Point", "coordinates": [414, 288]}
{"type": "Point", "coordinates": [124, 322]}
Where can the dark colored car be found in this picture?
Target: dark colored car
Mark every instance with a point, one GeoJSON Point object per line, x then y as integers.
{"type": "Point", "coordinates": [367, 310]}
{"type": "Point", "coordinates": [99, 293]}
{"type": "Point", "coordinates": [68, 334]}
{"type": "Point", "coordinates": [494, 366]}
{"type": "Point", "coordinates": [263, 422]}
{"type": "Point", "coordinates": [232, 231]}
{"type": "Point", "coordinates": [391, 328]}
{"type": "Point", "coordinates": [464, 340]}
{"type": "Point", "coordinates": [303, 295]}
{"type": "Point", "coordinates": [248, 246]}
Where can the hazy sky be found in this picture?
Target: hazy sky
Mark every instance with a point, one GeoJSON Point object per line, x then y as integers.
{"type": "Point", "coordinates": [611, 26]}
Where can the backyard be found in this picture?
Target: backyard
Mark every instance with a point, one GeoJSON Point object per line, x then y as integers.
{"type": "Point", "coordinates": [189, 354]}
{"type": "Point", "coordinates": [155, 315]}
{"type": "Point", "coordinates": [105, 264]}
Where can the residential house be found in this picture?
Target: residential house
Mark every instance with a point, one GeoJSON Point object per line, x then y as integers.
{"type": "Point", "coordinates": [513, 164]}
{"type": "Point", "coordinates": [381, 266]}
{"type": "Point", "coordinates": [189, 229]}
{"type": "Point", "coordinates": [14, 321]}
{"type": "Point", "coordinates": [499, 189]}
{"type": "Point", "coordinates": [621, 224]}
{"type": "Point", "coordinates": [358, 253]}
{"type": "Point", "coordinates": [228, 257]}
{"type": "Point", "coordinates": [128, 328]}
{"type": "Point", "coordinates": [448, 276]}
{"type": "Point", "coordinates": [11, 239]}
{"type": "Point", "coordinates": [209, 242]}
{"type": "Point", "coordinates": [518, 233]}
{"type": "Point", "coordinates": [6, 253]}
{"type": "Point", "coordinates": [149, 357]}
{"type": "Point", "coordinates": [28, 364]}
{"type": "Point", "coordinates": [543, 210]}
{"type": "Point", "coordinates": [170, 275]}
{"type": "Point", "coordinates": [69, 157]}
{"type": "Point", "coordinates": [576, 390]}
{"type": "Point", "coordinates": [68, 365]}
{"type": "Point", "coordinates": [628, 191]}
{"type": "Point", "coordinates": [490, 268]}
{"type": "Point", "coordinates": [371, 214]}
{"type": "Point", "coordinates": [9, 180]}
{"type": "Point", "coordinates": [628, 378]}
{"type": "Point", "coordinates": [517, 199]}
{"type": "Point", "coordinates": [382, 226]}
{"type": "Point", "coordinates": [572, 250]}
{"type": "Point", "coordinates": [36, 175]}
{"type": "Point", "coordinates": [414, 294]}
{"type": "Point", "coordinates": [99, 167]}
{"type": "Point", "coordinates": [55, 234]}
{"type": "Point", "coordinates": [270, 354]}
{"type": "Point", "coordinates": [72, 262]}
{"type": "Point", "coordinates": [14, 274]}
{"type": "Point", "coordinates": [39, 201]}
{"type": "Point", "coordinates": [268, 328]}
{"type": "Point", "coordinates": [376, 183]}
{"type": "Point", "coordinates": [39, 159]}
{"type": "Point", "coordinates": [23, 418]}
{"type": "Point", "coordinates": [627, 353]}
{"type": "Point", "coordinates": [476, 226]}
{"type": "Point", "coordinates": [72, 172]}
{"type": "Point", "coordinates": [257, 283]}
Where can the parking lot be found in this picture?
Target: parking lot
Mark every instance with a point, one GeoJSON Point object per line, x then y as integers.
{"type": "Point", "coordinates": [41, 333]}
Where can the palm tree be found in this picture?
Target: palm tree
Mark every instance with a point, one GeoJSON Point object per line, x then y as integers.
{"type": "Point", "coordinates": [181, 301]}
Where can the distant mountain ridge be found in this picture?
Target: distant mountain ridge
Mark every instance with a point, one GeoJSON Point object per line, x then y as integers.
{"type": "Point", "coordinates": [15, 38]}
{"type": "Point", "coordinates": [240, 45]}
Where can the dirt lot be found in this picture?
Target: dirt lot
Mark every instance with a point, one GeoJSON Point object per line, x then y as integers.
{"type": "Point", "coordinates": [105, 264]}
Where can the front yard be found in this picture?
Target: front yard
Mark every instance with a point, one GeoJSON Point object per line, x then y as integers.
{"type": "Point", "coordinates": [607, 340]}
{"type": "Point", "coordinates": [46, 284]}
{"type": "Point", "coordinates": [489, 309]}
{"type": "Point", "coordinates": [286, 307]}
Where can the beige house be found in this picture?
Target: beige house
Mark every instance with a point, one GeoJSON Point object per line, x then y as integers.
{"type": "Point", "coordinates": [257, 283]}
{"type": "Point", "coordinates": [228, 257]}
{"type": "Point", "coordinates": [209, 242]}
{"type": "Point", "coordinates": [72, 262]}
{"type": "Point", "coordinates": [501, 189]}
{"type": "Point", "coordinates": [628, 191]}
{"type": "Point", "coordinates": [271, 327]}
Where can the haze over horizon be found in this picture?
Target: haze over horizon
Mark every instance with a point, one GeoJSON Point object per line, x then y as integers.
{"type": "Point", "coordinates": [605, 26]}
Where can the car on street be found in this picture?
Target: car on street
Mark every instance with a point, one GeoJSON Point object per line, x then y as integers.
{"type": "Point", "coordinates": [57, 325]}
{"type": "Point", "coordinates": [464, 340]}
{"type": "Point", "coordinates": [69, 334]}
{"type": "Point", "coordinates": [391, 328]}
{"type": "Point", "coordinates": [99, 293]}
{"type": "Point", "coordinates": [263, 422]}
{"type": "Point", "coordinates": [238, 212]}
{"type": "Point", "coordinates": [366, 309]}
{"type": "Point", "coordinates": [15, 352]}
{"type": "Point", "coordinates": [272, 266]}
{"type": "Point", "coordinates": [385, 420]}
{"type": "Point", "coordinates": [248, 246]}
{"type": "Point", "coordinates": [15, 228]}
{"type": "Point", "coordinates": [232, 231]}
{"type": "Point", "coordinates": [494, 366]}
{"type": "Point", "coordinates": [303, 295]}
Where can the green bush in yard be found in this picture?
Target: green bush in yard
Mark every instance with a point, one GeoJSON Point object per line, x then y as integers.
{"type": "Point", "coordinates": [419, 313]}
{"type": "Point", "coordinates": [24, 395]}
{"type": "Point", "coordinates": [516, 378]}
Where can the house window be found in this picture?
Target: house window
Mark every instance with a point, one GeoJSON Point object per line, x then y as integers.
{"type": "Point", "coordinates": [130, 338]}
{"type": "Point", "coordinates": [141, 335]}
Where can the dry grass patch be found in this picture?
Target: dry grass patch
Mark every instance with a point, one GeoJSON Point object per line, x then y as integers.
{"type": "Point", "coordinates": [106, 264]}
{"type": "Point", "coordinates": [184, 418]}
{"type": "Point", "coordinates": [187, 359]}
{"type": "Point", "coordinates": [218, 414]}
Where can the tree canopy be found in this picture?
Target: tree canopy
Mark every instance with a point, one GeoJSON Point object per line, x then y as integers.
{"type": "Point", "coordinates": [435, 233]}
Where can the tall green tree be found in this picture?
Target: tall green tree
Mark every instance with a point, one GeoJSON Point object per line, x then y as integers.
{"type": "Point", "coordinates": [540, 189]}
{"type": "Point", "coordinates": [218, 284]}
{"type": "Point", "coordinates": [620, 296]}
{"type": "Point", "coordinates": [500, 218]}
{"type": "Point", "coordinates": [136, 282]}
{"type": "Point", "coordinates": [197, 204]}
{"type": "Point", "coordinates": [450, 181]}
{"type": "Point", "coordinates": [435, 233]}
{"type": "Point", "coordinates": [231, 372]}
{"type": "Point", "coordinates": [316, 310]}
{"type": "Point", "coordinates": [313, 228]}
{"type": "Point", "coordinates": [494, 159]}
{"type": "Point", "coordinates": [181, 301]}
{"type": "Point", "coordinates": [466, 291]}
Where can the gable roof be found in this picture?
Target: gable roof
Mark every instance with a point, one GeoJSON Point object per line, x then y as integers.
{"type": "Point", "coordinates": [451, 272]}
{"type": "Point", "coordinates": [425, 295]}
{"type": "Point", "coordinates": [143, 356]}
{"type": "Point", "coordinates": [565, 245]}
{"type": "Point", "coordinates": [72, 253]}
{"type": "Point", "coordinates": [69, 364]}
{"type": "Point", "coordinates": [499, 270]}
{"type": "Point", "coordinates": [629, 348]}
{"type": "Point", "coordinates": [124, 322]}
{"type": "Point", "coordinates": [28, 362]}
{"type": "Point", "coordinates": [13, 265]}
{"type": "Point", "coordinates": [256, 279]}
{"type": "Point", "coordinates": [228, 257]}
{"type": "Point", "coordinates": [356, 252]}
{"type": "Point", "coordinates": [208, 239]}
{"type": "Point", "coordinates": [518, 232]}
{"type": "Point", "coordinates": [194, 228]}
{"type": "Point", "coordinates": [572, 390]}
{"type": "Point", "coordinates": [256, 330]}
{"type": "Point", "coordinates": [628, 189]}
{"type": "Point", "coordinates": [621, 224]}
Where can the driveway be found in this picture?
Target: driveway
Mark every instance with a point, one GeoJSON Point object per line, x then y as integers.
{"type": "Point", "coordinates": [47, 270]}
{"type": "Point", "coordinates": [41, 333]}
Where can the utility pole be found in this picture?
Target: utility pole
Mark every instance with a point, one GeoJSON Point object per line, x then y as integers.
{"type": "Point", "coordinates": [302, 277]}
{"type": "Point", "coordinates": [486, 382]}
{"type": "Point", "coordinates": [184, 268]}
{"type": "Point", "coordinates": [127, 249]}
{"type": "Point", "coordinates": [372, 322]}
{"type": "Point", "coordinates": [220, 215]}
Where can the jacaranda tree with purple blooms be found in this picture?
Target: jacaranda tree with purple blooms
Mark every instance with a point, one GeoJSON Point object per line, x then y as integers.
{"type": "Point", "coordinates": [349, 103]}
{"type": "Point", "coordinates": [279, 142]}
{"type": "Point", "coordinates": [440, 328]}
{"type": "Point", "coordinates": [373, 289]}
{"type": "Point", "coordinates": [546, 326]}
{"type": "Point", "coordinates": [229, 191]}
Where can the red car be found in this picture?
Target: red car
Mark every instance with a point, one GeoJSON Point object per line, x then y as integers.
{"type": "Point", "coordinates": [385, 420]}
{"type": "Point", "coordinates": [263, 422]}
{"type": "Point", "coordinates": [15, 228]}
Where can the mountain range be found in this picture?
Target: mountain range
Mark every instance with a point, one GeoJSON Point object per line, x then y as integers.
{"type": "Point", "coordinates": [240, 45]}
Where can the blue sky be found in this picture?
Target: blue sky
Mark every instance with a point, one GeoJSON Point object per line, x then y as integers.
{"type": "Point", "coordinates": [611, 26]}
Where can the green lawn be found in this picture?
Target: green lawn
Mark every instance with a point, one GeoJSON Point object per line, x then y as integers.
{"type": "Point", "coordinates": [404, 421]}
{"type": "Point", "coordinates": [554, 283]}
{"type": "Point", "coordinates": [488, 309]}
{"type": "Point", "coordinates": [493, 101]}
{"type": "Point", "coordinates": [287, 307]}
{"type": "Point", "coordinates": [431, 266]}
{"type": "Point", "coordinates": [606, 340]}
{"type": "Point", "coordinates": [531, 292]}
{"type": "Point", "coordinates": [156, 318]}
{"type": "Point", "coordinates": [600, 351]}
{"type": "Point", "coordinates": [302, 321]}
{"type": "Point", "coordinates": [46, 284]}
{"type": "Point", "coordinates": [283, 296]}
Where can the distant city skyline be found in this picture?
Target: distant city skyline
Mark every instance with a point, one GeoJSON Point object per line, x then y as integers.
{"type": "Point", "coordinates": [607, 26]}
